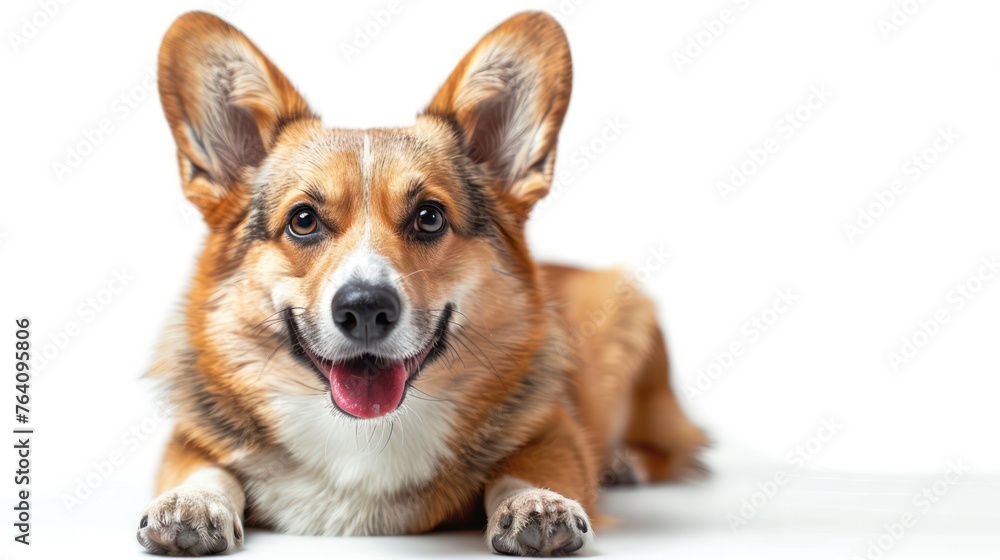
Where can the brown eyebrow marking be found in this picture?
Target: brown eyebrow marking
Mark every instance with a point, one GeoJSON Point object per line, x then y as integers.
{"type": "Point", "coordinates": [415, 189]}
{"type": "Point", "coordinates": [315, 193]}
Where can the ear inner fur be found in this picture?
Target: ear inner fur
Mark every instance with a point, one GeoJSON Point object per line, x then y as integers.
{"type": "Point", "coordinates": [509, 95]}
{"type": "Point", "coordinates": [225, 102]}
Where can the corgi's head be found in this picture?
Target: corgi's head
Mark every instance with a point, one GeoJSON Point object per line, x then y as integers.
{"type": "Point", "coordinates": [359, 261]}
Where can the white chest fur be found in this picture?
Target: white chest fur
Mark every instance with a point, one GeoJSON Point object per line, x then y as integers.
{"type": "Point", "coordinates": [344, 476]}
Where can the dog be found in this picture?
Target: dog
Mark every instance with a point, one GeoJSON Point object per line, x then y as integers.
{"type": "Point", "coordinates": [367, 346]}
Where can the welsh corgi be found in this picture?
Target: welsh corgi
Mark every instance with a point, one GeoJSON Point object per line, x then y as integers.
{"type": "Point", "coordinates": [367, 346]}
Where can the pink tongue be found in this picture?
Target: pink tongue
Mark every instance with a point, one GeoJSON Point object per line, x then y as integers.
{"type": "Point", "coordinates": [367, 394]}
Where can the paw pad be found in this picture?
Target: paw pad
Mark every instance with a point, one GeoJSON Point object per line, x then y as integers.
{"type": "Point", "coordinates": [538, 522]}
{"type": "Point", "coordinates": [191, 522]}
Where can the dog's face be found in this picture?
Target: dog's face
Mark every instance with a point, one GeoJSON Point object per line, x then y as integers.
{"type": "Point", "coordinates": [368, 242]}
{"type": "Point", "coordinates": [364, 258]}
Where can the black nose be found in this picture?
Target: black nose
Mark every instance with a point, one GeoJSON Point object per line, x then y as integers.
{"type": "Point", "coordinates": [364, 312]}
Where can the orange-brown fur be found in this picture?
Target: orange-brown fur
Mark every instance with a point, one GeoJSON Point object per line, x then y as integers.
{"type": "Point", "coordinates": [534, 401]}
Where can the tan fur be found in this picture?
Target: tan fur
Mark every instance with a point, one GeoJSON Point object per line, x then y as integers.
{"type": "Point", "coordinates": [532, 401]}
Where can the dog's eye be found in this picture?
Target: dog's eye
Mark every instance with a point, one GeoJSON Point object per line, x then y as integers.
{"type": "Point", "coordinates": [429, 219]}
{"type": "Point", "coordinates": [303, 223]}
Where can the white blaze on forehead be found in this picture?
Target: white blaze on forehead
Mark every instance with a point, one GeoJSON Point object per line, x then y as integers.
{"type": "Point", "coordinates": [366, 185]}
{"type": "Point", "coordinates": [364, 265]}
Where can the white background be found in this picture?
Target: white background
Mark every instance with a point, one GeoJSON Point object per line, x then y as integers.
{"type": "Point", "coordinates": [654, 187]}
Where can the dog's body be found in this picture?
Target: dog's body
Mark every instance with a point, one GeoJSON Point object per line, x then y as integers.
{"type": "Point", "coordinates": [368, 347]}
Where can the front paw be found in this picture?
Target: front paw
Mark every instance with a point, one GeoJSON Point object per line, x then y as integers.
{"type": "Point", "coordinates": [190, 522]}
{"type": "Point", "coordinates": [537, 522]}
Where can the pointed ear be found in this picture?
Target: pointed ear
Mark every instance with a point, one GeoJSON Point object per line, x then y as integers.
{"type": "Point", "coordinates": [509, 96]}
{"type": "Point", "coordinates": [225, 103]}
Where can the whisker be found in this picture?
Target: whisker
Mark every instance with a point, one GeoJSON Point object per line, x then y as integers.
{"type": "Point", "coordinates": [414, 411]}
{"type": "Point", "coordinates": [480, 335]}
{"type": "Point", "coordinates": [276, 313]}
{"type": "Point", "coordinates": [430, 396]}
{"type": "Point", "coordinates": [457, 355]}
{"type": "Point", "coordinates": [485, 355]}
{"type": "Point", "coordinates": [312, 390]}
{"type": "Point", "coordinates": [476, 356]}
{"type": "Point", "coordinates": [473, 323]}
{"type": "Point", "coordinates": [401, 278]}
{"type": "Point", "coordinates": [276, 348]}
{"type": "Point", "coordinates": [391, 426]}
{"type": "Point", "coordinates": [402, 432]}
{"type": "Point", "coordinates": [267, 323]}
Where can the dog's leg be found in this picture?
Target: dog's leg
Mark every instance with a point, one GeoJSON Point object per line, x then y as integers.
{"type": "Point", "coordinates": [659, 435]}
{"type": "Point", "coordinates": [538, 503]}
{"type": "Point", "coordinates": [621, 384]}
{"type": "Point", "coordinates": [200, 508]}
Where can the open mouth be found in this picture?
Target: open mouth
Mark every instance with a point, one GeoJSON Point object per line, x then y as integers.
{"type": "Point", "coordinates": [368, 385]}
